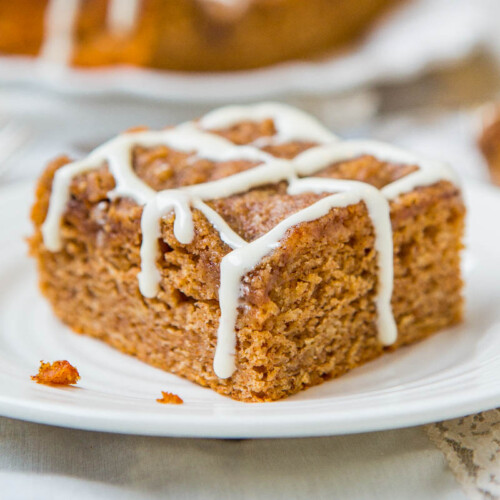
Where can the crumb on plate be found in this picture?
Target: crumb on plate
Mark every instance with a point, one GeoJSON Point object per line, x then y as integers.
{"type": "Point", "coordinates": [58, 372]}
{"type": "Point", "coordinates": [169, 398]}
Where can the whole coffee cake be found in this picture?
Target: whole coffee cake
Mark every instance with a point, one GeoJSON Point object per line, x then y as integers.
{"type": "Point", "coordinates": [186, 35]}
{"type": "Point", "coordinates": [250, 251]}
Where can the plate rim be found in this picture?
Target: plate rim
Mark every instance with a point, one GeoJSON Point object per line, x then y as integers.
{"type": "Point", "coordinates": [232, 428]}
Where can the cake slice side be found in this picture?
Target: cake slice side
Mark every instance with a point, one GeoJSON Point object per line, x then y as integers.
{"type": "Point", "coordinates": [307, 310]}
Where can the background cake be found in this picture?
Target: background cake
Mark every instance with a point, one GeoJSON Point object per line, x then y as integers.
{"type": "Point", "coordinates": [489, 140]}
{"type": "Point", "coordinates": [195, 35]}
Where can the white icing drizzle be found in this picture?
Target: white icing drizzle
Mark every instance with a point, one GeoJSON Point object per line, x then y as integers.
{"type": "Point", "coordinates": [236, 264]}
{"type": "Point", "coordinates": [421, 178]}
{"type": "Point", "coordinates": [224, 11]}
{"type": "Point", "coordinates": [59, 24]}
{"type": "Point", "coordinates": [122, 15]}
{"type": "Point", "coordinates": [118, 154]}
{"type": "Point", "coordinates": [291, 125]}
{"type": "Point", "coordinates": [379, 212]}
{"type": "Point", "coordinates": [228, 236]}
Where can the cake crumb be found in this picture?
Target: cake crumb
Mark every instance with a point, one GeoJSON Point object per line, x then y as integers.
{"type": "Point", "coordinates": [58, 373]}
{"type": "Point", "coordinates": [170, 399]}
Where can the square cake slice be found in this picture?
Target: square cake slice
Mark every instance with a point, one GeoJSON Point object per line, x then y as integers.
{"type": "Point", "coordinates": [250, 251]}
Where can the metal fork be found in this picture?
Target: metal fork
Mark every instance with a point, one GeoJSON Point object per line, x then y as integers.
{"type": "Point", "coordinates": [13, 136]}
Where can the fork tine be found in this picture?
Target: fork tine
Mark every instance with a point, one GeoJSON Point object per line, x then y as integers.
{"type": "Point", "coordinates": [12, 137]}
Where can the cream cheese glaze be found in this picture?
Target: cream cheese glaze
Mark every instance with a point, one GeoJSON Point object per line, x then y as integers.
{"type": "Point", "coordinates": [59, 24]}
{"type": "Point", "coordinates": [195, 137]}
{"type": "Point", "coordinates": [122, 15]}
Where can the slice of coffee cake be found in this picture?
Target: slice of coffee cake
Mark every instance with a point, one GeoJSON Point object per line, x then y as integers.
{"type": "Point", "coordinates": [250, 251]}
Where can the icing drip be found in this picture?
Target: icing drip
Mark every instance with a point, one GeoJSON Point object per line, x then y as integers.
{"type": "Point", "coordinates": [379, 212]}
{"type": "Point", "coordinates": [225, 10]}
{"type": "Point", "coordinates": [290, 125]}
{"type": "Point", "coordinates": [122, 15]}
{"type": "Point", "coordinates": [166, 201]}
{"type": "Point", "coordinates": [117, 153]}
{"type": "Point", "coordinates": [60, 19]}
{"type": "Point", "coordinates": [227, 235]}
{"type": "Point", "coordinates": [236, 264]}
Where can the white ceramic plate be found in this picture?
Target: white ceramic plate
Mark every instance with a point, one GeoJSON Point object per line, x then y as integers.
{"type": "Point", "coordinates": [419, 35]}
{"type": "Point", "coordinates": [451, 374]}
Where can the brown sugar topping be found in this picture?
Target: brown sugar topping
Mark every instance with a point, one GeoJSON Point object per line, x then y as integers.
{"type": "Point", "coordinates": [58, 373]}
{"type": "Point", "coordinates": [169, 399]}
